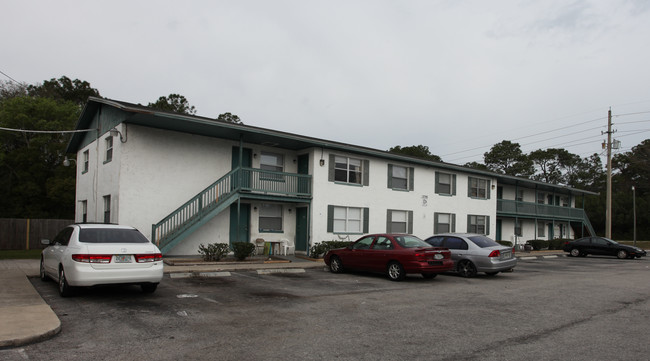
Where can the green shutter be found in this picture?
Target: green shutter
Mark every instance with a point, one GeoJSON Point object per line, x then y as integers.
{"type": "Point", "coordinates": [409, 228]}
{"type": "Point", "coordinates": [453, 184]}
{"type": "Point", "coordinates": [390, 176]}
{"type": "Point", "coordinates": [487, 225]}
{"type": "Point", "coordinates": [389, 220]}
{"type": "Point", "coordinates": [469, 225]}
{"type": "Point", "coordinates": [436, 188]}
{"type": "Point", "coordinates": [435, 221]}
{"type": "Point", "coordinates": [331, 168]}
{"type": "Point", "coordinates": [366, 172]}
{"type": "Point", "coordinates": [469, 187]}
{"type": "Point", "coordinates": [330, 218]}
{"type": "Point", "coordinates": [488, 189]}
{"type": "Point", "coordinates": [453, 222]}
{"type": "Point", "coordinates": [366, 220]}
{"type": "Point", "coordinates": [411, 178]}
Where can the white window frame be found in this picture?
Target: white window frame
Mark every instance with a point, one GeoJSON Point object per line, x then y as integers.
{"type": "Point", "coordinates": [400, 177]}
{"type": "Point", "coordinates": [348, 169]}
{"type": "Point", "coordinates": [271, 212]}
{"type": "Point", "coordinates": [348, 219]}
{"type": "Point", "coordinates": [541, 229]}
{"type": "Point", "coordinates": [479, 188]}
{"type": "Point", "coordinates": [440, 184]}
{"type": "Point", "coordinates": [86, 160]}
{"type": "Point", "coordinates": [478, 224]}
{"type": "Point", "coordinates": [109, 149]}
{"type": "Point", "coordinates": [449, 222]}
{"type": "Point", "coordinates": [107, 209]}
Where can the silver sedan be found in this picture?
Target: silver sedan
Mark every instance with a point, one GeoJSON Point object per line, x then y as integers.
{"type": "Point", "coordinates": [473, 253]}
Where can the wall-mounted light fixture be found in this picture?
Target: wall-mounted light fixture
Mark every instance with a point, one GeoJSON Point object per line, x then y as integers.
{"type": "Point", "coordinates": [322, 162]}
{"type": "Point", "coordinates": [114, 132]}
{"type": "Point", "coordinates": [493, 186]}
{"type": "Point", "coordinates": [66, 161]}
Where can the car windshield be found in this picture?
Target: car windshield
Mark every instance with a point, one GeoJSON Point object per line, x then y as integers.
{"type": "Point", "coordinates": [611, 241]}
{"type": "Point", "coordinates": [483, 241]}
{"type": "Point", "coordinates": [111, 235]}
{"type": "Point", "coordinates": [410, 242]}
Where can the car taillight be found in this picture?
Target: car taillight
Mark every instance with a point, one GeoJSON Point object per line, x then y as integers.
{"type": "Point", "coordinates": [420, 256]}
{"type": "Point", "coordinates": [149, 257]}
{"type": "Point", "coordinates": [495, 253]}
{"type": "Point", "coordinates": [92, 258]}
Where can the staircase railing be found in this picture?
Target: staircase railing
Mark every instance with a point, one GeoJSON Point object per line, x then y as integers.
{"type": "Point", "coordinates": [238, 180]}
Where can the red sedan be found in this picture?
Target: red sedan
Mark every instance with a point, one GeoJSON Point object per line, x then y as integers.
{"type": "Point", "coordinates": [394, 254]}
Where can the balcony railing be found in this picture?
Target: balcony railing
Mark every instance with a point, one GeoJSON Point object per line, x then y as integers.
{"type": "Point", "coordinates": [516, 208]}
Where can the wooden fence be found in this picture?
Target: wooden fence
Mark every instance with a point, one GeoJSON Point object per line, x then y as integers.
{"type": "Point", "coordinates": [20, 234]}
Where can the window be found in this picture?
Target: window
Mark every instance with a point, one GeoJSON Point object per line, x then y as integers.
{"type": "Point", "coordinates": [107, 209]}
{"type": "Point", "coordinates": [445, 183]}
{"type": "Point", "coordinates": [518, 228]}
{"type": "Point", "coordinates": [363, 243]}
{"type": "Point", "coordinates": [540, 198]}
{"type": "Point", "coordinates": [565, 201]}
{"type": "Point", "coordinates": [444, 223]}
{"type": "Point", "coordinates": [455, 243]}
{"type": "Point", "coordinates": [270, 218]}
{"type": "Point", "coordinates": [347, 219]}
{"type": "Point", "coordinates": [478, 224]}
{"type": "Point", "coordinates": [271, 161]}
{"type": "Point", "coordinates": [541, 228]}
{"type": "Point", "coordinates": [109, 149]}
{"type": "Point", "coordinates": [400, 177]}
{"type": "Point", "coordinates": [63, 238]}
{"type": "Point", "coordinates": [479, 188]}
{"type": "Point", "coordinates": [520, 195]}
{"type": "Point", "coordinates": [348, 170]}
{"type": "Point", "coordinates": [399, 221]}
{"type": "Point", "coordinates": [84, 211]}
{"type": "Point", "coordinates": [85, 167]}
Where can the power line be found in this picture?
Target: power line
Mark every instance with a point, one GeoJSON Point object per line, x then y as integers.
{"type": "Point", "coordinates": [12, 79]}
{"type": "Point", "coordinates": [47, 131]}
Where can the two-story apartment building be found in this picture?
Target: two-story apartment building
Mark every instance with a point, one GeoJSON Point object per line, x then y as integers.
{"type": "Point", "coordinates": [186, 180]}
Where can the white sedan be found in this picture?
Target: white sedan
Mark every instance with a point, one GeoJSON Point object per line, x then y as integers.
{"type": "Point", "coordinates": [83, 255]}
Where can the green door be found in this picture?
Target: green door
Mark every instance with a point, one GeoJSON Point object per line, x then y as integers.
{"type": "Point", "coordinates": [240, 232]}
{"type": "Point", "coordinates": [243, 178]}
{"type": "Point", "coordinates": [302, 226]}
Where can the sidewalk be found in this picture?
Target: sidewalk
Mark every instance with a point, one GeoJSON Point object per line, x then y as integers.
{"type": "Point", "coordinates": [26, 318]}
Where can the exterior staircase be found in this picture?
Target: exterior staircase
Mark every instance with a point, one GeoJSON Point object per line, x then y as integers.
{"type": "Point", "coordinates": [218, 196]}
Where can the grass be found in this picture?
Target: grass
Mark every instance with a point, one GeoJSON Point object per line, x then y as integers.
{"type": "Point", "coordinates": [21, 254]}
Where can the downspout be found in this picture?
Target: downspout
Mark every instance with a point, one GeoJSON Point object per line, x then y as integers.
{"type": "Point", "coordinates": [239, 180]}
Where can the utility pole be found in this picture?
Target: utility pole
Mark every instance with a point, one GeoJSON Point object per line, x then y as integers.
{"type": "Point", "coordinates": [608, 213]}
{"type": "Point", "coordinates": [634, 211]}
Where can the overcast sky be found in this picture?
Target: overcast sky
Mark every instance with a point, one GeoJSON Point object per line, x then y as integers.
{"type": "Point", "coordinates": [456, 76]}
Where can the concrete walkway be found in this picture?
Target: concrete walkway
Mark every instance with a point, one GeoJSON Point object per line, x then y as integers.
{"type": "Point", "coordinates": [26, 318]}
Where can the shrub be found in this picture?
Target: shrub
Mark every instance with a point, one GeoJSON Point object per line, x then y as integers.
{"type": "Point", "coordinates": [214, 251]}
{"type": "Point", "coordinates": [505, 243]}
{"type": "Point", "coordinates": [242, 250]}
{"type": "Point", "coordinates": [557, 244]}
{"type": "Point", "coordinates": [538, 244]}
{"type": "Point", "coordinates": [318, 250]}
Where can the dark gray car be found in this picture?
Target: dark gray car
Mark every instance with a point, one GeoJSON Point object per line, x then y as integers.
{"type": "Point", "coordinates": [473, 253]}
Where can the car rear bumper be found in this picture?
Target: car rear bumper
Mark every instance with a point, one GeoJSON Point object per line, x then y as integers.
{"type": "Point", "coordinates": [84, 275]}
{"type": "Point", "coordinates": [440, 266]}
{"type": "Point", "coordinates": [496, 265]}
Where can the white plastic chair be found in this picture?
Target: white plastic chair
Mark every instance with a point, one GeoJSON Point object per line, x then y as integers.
{"type": "Point", "coordinates": [286, 246]}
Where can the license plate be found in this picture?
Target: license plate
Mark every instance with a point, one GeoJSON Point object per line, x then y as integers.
{"type": "Point", "coordinates": [122, 258]}
{"type": "Point", "coordinates": [506, 255]}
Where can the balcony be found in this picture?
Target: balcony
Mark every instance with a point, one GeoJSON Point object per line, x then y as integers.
{"type": "Point", "coordinates": [509, 208]}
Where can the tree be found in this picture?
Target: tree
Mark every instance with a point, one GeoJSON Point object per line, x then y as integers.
{"type": "Point", "coordinates": [9, 89]}
{"type": "Point", "coordinates": [417, 151]}
{"type": "Point", "coordinates": [507, 158]}
{"type": "Point", "coordinates": [230, 118]}
{"type": "Point", "coordinates": [174, 103]}
{"type": "Point", "coordinates": [64, 89]}
{"type": "Point", "coordinates": [477, 165]}
{"type": "Point", "coordinates": [34, 182]}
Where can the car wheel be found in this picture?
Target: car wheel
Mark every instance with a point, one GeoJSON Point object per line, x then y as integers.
{"type": "Point", "coordinates": [396, 271]}
{"type": "Point", "coordinates": [621, 254]}
{"type": "Point", "coordinates": [64, 288]}
{"type": "Point", "coordinates": [429, 275]}
{"type": "Point", "coordinates": [491, 273]}
{"type": "Point", "coordinates": [149, 287]}
{"type": "Point", "coordinates": [335, 265]}
{"type": "Point", "coordinates": [575, 252]}
{"type": "Point", "coordinates": [466, 269]}
{"type": "Point", "coordinates": [42, 273]}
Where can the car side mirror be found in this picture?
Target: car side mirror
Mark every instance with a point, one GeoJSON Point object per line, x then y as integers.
{"type": "Point", "coordinates": [46, 242]}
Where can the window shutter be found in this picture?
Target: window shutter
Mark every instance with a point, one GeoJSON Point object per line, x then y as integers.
{"type": "Point", "coordinates": [436, 188]}
{"type": "Point", "coordinates": [469, 224]}
{"type": "Point", "coordinates": [469, 187]}
{"type": "Point", "coordinates": [330, 218]}
{"type": "Point", "coordinates": [453, 222]}
{"type": "Point", "coordinates": [411, 178]}
{"type": "Point", "coordinates": [488, 189]}
{"type": "Point", "coordinates": [435, 221]}
{"type": "Point", "coordinates": [331, 168]}
{"type": "Point", "coordinates": [487, 225]}
{"type": "Point", "coordinates": [453, 184]}
{"type": "Point", "coordinates": [366, 220]}
{"type": "Point", "coordinates": [389, 220]}
{"type": "Point", "coordinates": [390, 176]}
{"type": "Point", "coordinates": [366, 172]}
{"type": "Point", "coordinates": [410, 222]}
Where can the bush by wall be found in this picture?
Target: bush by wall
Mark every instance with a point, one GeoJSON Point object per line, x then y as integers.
{"type": "Point", "coordinates": [214, 251]}
{"type": "Point", "coordinates": [318, 250]}
{"type": "Point", "coordinates": [242, 250]}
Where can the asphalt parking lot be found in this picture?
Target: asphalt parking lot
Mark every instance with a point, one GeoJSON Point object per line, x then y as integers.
{"type": "Point", "coordinates": [593, 308]}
